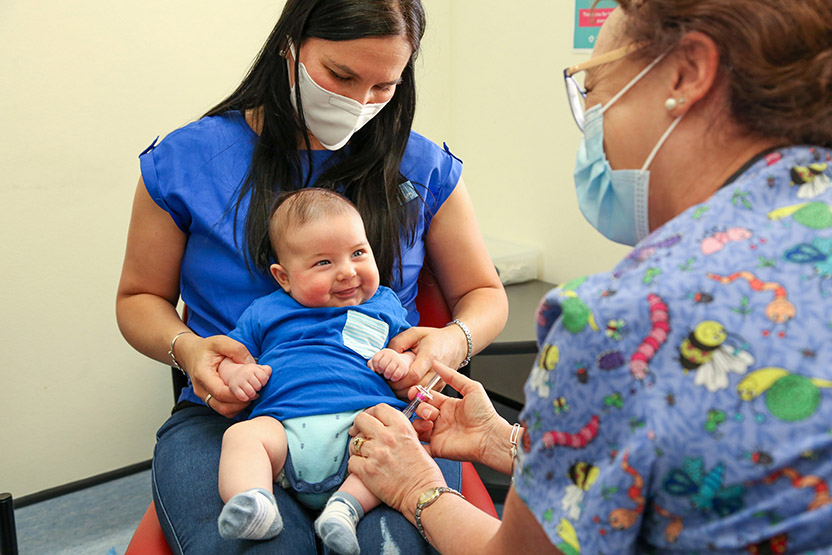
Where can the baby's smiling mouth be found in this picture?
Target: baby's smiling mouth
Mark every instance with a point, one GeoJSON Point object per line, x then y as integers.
{"type": "Point", "coordinates": [346, 293]}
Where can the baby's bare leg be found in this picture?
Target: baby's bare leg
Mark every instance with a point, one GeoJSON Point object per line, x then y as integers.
{"type": "Point", "coordinates": [355, 487]}
{"type": "Point", "coordinates": [253, 453]}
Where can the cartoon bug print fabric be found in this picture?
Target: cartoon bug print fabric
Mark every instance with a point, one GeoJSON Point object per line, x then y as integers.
{"type": "Point", "coordinates": [683, 401]}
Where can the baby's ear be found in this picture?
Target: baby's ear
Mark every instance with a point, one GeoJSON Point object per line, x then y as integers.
{"type": "Point", "coordinates": [280, 276]}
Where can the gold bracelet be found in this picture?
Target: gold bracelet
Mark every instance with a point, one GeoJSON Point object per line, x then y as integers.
{"type": "Point", "coordinates": [515, 435]}
{"type": "Point", "coordinates": [172, 356]}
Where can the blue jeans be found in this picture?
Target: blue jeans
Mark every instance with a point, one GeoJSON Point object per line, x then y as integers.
{"type": "Point", "coordinates": [185, 466]}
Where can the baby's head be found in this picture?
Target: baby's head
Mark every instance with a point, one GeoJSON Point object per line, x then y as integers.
{"type": "Point", "coordinates": [322, 253]}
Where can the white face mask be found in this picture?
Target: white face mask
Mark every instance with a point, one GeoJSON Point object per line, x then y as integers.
{"type": "Point", "coordinates": [330, 117]}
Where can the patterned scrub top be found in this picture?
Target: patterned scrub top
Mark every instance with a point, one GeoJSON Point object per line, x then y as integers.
{"type": "Point", "coordinates": [683, 402]}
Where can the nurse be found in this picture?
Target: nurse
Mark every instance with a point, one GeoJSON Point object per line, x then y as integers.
{"type": "Point", "coordinates": [681, 402]}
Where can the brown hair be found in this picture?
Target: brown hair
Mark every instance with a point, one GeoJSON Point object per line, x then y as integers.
{"type": "Point", "coordinates": [776, 57]}
{"type": "Point", "coordinates": [301, 206]}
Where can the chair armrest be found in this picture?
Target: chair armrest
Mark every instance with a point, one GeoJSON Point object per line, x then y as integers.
{"type": "Point", "coordinates": [475, 491]}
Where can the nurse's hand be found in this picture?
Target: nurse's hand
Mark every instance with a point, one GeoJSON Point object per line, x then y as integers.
{"type": "Point", "coordinates": [390, 461]}
{"type": "Point", "coordinates": [447, 345]}
{"type": "Point", "coordinates": [466, 429]}
{"type": "Point", "coordinates": [201, 358]}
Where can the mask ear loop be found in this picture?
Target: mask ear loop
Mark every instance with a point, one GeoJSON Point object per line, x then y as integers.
{"type": "Point", "coordinates": [630, 85]}
{"type": "Point", "coordinates": [661, 142]}
{"type": "Point", "coordinates": [634, 80]}
{"type": "Point", "coordinates": [299, 107]}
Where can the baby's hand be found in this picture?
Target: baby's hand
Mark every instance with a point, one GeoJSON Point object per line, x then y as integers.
{"type": "Point", "coordinates": [391, 364]}
{"type": "Point", "coordinates": [244, 380]}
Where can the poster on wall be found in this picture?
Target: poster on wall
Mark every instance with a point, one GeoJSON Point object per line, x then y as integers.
{"type": "Point", "coordinates": [588, 21]}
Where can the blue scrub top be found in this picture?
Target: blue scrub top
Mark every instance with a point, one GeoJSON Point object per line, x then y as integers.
{"type": "Point", "coordinates": [195, 173]}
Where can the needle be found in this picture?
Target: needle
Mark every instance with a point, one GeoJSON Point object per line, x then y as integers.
{"type": "Point", "coordinates": [423, 394]}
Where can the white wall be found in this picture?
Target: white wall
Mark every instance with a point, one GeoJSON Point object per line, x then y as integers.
{"type": "Point", "coordinates": [88, 84]}
{"type": "Point", "coordinates": [513, 128]}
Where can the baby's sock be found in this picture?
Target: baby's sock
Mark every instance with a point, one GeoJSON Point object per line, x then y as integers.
{"type": "Point", "coordinates": [251, 515]}
{"type": "Point", "coordinates": [336, 525]}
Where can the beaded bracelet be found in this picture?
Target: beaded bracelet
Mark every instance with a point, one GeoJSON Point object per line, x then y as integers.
{"type": "Point", "coordinates": [467, 333]}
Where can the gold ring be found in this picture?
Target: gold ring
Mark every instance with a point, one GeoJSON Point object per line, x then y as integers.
{"type": "Point", "coordinates": [357, 442]}
{"type": "Point", "coordinates": [208, 398]}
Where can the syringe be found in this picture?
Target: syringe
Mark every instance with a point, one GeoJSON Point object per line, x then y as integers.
{"type": "Point", "coordinates": [424, 394]}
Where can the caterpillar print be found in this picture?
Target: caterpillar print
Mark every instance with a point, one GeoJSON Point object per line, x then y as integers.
{"type": "Point", "coordinates": [577, 440]}
{"type": "Point", "coordinates": [660, 327]}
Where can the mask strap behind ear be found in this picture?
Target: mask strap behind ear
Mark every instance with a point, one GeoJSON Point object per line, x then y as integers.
{"type": "Point", "coordinates": [661, 142]}
{"type": "Point", "coordinates": [635, 80]}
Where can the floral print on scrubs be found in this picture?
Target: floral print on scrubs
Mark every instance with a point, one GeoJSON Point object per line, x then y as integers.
{"type": "Point", "coordinates": [683, 401]}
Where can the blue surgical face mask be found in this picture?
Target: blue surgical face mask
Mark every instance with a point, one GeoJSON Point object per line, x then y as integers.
{"type": "Point", "coordinates": [613, 201]}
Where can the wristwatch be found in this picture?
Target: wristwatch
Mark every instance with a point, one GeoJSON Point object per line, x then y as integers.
{"type": "Point", "coordinates": [426, 500]}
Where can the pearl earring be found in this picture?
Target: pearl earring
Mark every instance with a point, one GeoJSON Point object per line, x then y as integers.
{"type": "Point", "coordinates": [671, 103]}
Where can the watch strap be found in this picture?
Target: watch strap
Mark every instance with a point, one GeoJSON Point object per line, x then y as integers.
{"type": "Point", "coordinates": [434, 494]}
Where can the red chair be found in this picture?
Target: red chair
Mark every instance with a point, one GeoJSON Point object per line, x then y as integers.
{"type": "Point", "coordinates": [149, 539]}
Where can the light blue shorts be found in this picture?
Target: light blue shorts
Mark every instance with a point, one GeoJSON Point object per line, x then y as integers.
{"type": "Point", "coordinates": [316, 463]}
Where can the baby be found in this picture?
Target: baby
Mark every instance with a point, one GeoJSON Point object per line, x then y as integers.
{"type": "Point", "coordinates": [324, 334]}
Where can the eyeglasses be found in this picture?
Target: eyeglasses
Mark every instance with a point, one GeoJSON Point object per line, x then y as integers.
{"type": "Point", "coordinates": [577, 94]}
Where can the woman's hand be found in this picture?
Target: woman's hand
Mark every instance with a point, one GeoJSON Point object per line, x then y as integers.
{"type": "Point", "coordinates": [447, 345]}
{"type": "Point", "coordinates": [466, 429]}
{"type": "Point", "coordinates": [391, 462]}
{"type": "Point", "coordinates": [201, 358]}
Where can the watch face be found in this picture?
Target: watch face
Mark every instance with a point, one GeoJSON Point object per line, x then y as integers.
{"type": "Point", "coordinates": [428, 495]}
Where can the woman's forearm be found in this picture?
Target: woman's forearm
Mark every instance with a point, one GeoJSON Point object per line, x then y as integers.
{"type": "Point", "coordinates": [484, 310]}
{"type": "Point", "coordinates": [465, 272]}
{"type": "Point", "coordinates": [497, 451]}
{"type": "Point", "coordinates": [149, 286]}
{"type": "Point", "coordinates": [148, 323]}
{"type": "Point", "coordinates": [455, 527]}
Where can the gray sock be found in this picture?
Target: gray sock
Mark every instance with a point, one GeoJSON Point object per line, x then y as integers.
{"type": "Point", "coordinates": [251, 515]}
{"type": "Point", "coordinates": [336, 525]}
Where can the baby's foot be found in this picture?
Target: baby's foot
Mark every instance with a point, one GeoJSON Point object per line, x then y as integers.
{"type": "Point", "coordinates": [336, 525]}
{"type": "Point", "coordinates": [251, 515]}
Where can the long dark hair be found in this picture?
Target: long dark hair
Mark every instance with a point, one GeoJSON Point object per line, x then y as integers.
{"type": "Point", "coordinates": [369, 176]}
